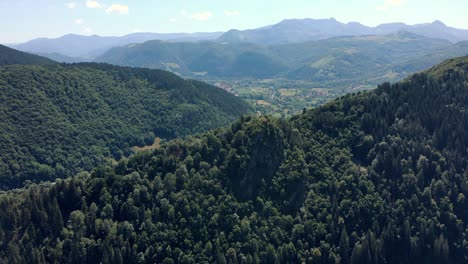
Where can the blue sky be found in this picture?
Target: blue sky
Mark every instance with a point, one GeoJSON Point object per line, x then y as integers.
{"type": "Point", "coordinates": [23, 20]}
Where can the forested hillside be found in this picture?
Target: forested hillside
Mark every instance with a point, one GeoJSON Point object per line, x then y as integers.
{"type": "Point", "coordinates": [10, 56]}
{"type": "Point", "coordinates": [58, 120]}
{"type": "Point", "coordinates": [199, 58]}
{"type": "Point", "coordinates": [373, 177]}
{"type": "Point", "coordinates": [351, 59]}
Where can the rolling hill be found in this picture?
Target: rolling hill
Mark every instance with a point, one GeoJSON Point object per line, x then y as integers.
{"type": "Point", "coordinates": [344, 59]}
{"type": "Point", "coordinates": [199, 58]}
{"type": "Point", "coordinates": [438, 55]}
{"type": "Point", "coordinates": [60, 119]}
{"type": "Point", "coordinates": [369, 58]}
{"type": "Point", "coordinates": [10, 56]}
{"type": "Point", "coordinates": [372, 177]}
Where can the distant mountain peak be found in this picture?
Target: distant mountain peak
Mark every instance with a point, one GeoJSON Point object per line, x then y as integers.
{"type": "Point", "coordinates": [439, 23]}
{"type": "Point", "coordinates": [69, 36]}
{"type": "Point", "coordinates": [309, 29]}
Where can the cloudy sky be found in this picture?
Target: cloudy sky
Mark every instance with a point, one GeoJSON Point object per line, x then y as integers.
{"type": "Point", "coordinates": [23, 20]}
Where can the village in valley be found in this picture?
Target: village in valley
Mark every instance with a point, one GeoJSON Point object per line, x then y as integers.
{"type": "Point", "coordinates": [281, 97]}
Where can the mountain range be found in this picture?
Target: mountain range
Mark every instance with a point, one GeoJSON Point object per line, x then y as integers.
{"type": "Point", "coordinates": [87, 47]}
{"type": "Point", "coordinates": [301, 30]}
{"type": "Point", "coordinates": [353, 59]}
{"type": "Point", "coordinates": [287, 31]}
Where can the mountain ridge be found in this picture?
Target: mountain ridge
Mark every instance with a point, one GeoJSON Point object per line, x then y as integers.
{"type": "Point", "coordinates": [85, 47]}
{"type": "Point", "coordinates": [312, 60]}
{"type": "Point", "coordinates": [286, 31]}
{"type": "Point", "coordinates": [300, 30]}
{"type": "Point", "coordinates": [9, 56]}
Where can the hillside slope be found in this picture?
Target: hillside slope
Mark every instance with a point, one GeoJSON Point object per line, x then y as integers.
{"type": "Point", "coordinates": [433, 58]}
{"type": "Point", "coordinates": [347, 59]}
{"type": "Point", "coordinates": [10, 56]}
{"type": "Point", "coordinates": [361, 59]}
{"type": "Point", "coordinates": [57, 120]}
{"type": "Point", "coordinates": [199, 58]}
{"type": "Point", "coordinates": [374, 177]}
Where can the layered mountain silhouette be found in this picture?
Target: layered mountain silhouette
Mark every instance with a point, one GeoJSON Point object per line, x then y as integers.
{"type": "Point", "coordinates": [300, 30]}
{"type": "Point", "coordinates": [86, 47]}
{"type": "Point", "coordinates": [287, 31]}
{"type": "Point", "coordinates": [357, 59]}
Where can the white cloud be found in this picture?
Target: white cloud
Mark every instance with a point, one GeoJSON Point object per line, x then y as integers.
{"type": "Point", "coordinates": [172, 20]}
{"type": "Point", "coordinates": [202, 16]}
{"type": "Point", "coordinates": [389, 3]}
{"type": "Point", "coordinates": [70, 5]}
{"type": "Point", "coordinates": [121, 9]}
{"type": "Point", "coordinates": [93, 4]}
{"type": "Point", "coordinates": [184, 12]}
{"type": "Point", "coordinates": [78, 21]}
{"type": "Point", "coordinates": [231, 12]}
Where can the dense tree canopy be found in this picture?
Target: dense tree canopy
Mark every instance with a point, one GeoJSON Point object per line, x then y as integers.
{"type": "Point", "coordinates": [375, 177]}
{"type": "Point", "coordinates": [60, 119]}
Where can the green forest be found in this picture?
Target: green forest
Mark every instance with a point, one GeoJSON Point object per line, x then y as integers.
{"type": "Point", "coordinates": [371, 177]}
{"type": "Point", "coordinates": [58, 120]}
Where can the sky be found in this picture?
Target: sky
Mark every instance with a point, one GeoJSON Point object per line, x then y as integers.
{"type": "Point", "coordinates": [23, 20]}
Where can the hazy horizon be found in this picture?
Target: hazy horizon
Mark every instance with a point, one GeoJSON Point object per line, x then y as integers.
{"type": "Point", "coordinates": [32, 19]}
{"type": "Point", "coordinates": [199, 32]}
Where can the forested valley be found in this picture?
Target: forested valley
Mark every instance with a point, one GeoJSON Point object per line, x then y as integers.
{"type": "Point", "coordinates": [371, 177]}
{"type": "Point", "coordinates": [57, 120]}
